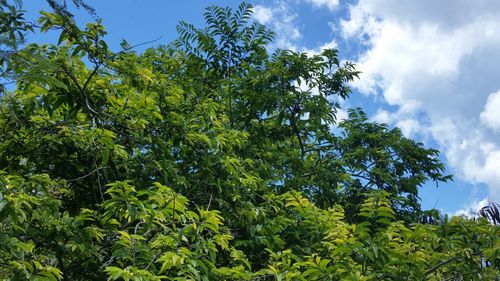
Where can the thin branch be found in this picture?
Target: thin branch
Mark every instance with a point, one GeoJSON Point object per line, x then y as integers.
{"type": "Point", "coordinates": [434, 268]}
{"type": "Point", "coordinates": [98, 179]}
{"type": "Point", "coordinates": [137, 226]}
{"type": "Point", "coordinates": [87, 175]}
{"type": "Point", "coordinates": [296, 131]}
{"type": "Point", "coordinates": [82, 90]}
{"type": "Point", "coordinates": [96, 68]}
{"type": "Point", "coordinates": [72, 77]}
{"type": "Point", "coordinates": [135, 46]}
{"type": "Point", "coordinates": [209, 202]}
{"type": "Point", "coordinates": [152, 260]}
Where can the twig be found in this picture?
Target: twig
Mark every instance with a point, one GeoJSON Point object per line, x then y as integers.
{"type": "Point", "coordinates": [90, 77]}
{"type": "Point", "coordinates": [87, 175]}
{"type": "Point", "coordinates": [296, 131]}
{"type": "Point", "coordinates": [82, 90]}
{"type": "Point", "coordinates": [209, 202]}
{"type": "Point", "coordinates": [152, 260]}
{"type": "Point", "coordinates": [447, 262]}
{"type": "Point", "coordinates": [135, 46]}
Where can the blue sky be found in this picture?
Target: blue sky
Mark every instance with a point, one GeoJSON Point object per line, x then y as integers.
{"type": "Point", "coordinates": [431, 68]}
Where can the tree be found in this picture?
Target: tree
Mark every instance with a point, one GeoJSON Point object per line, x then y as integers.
{"type": "Point", "coordinates": [211, 159]}
{"type": "Point", "coordinates": [13, 28]}
{"type": "Point", "coordinates": [271, 96]}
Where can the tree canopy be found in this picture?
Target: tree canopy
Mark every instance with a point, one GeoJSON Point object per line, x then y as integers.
{"type": "Point", "coordinates": [211, 158]}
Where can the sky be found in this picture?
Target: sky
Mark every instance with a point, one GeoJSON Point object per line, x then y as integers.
{"type": "Point", "coordinates": [431, 68]}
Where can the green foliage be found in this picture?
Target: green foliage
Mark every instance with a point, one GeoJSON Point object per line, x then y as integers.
{"type": "Point", "coordinates": [211, 159]}
{"type": "Point", "coordinates": [13, 29]}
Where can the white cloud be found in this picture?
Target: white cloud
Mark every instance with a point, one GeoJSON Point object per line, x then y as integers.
{"type": "Point", "coordinates": [341, 115]}
{"type": "Point", "coordinates": [409, 126]}
{"type": "Point", "coordinates": [437, 59]}
{"type": "Point", "coordinates": [279, 17]}
{"type": "Point", "coordinates": [330, 4]}
{"type": "Point", "coordinates": [262, 14]}
{"type": "Point", "coordinates": [328, 45]}
{"type": "Point", "coordinates": [383, 116]}
{"type": "Point", "coordinates": [491, 113]}
{"type": "Point", "coordinates": [472, 210]}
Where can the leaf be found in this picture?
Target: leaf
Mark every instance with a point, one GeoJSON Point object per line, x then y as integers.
{"type": "Point", "coordinates": [114, 273]}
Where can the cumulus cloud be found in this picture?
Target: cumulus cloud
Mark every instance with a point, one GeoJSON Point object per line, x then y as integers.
{"type": "Point", "coordinates": [490, 116]}
{"type": "Point", "coordinates": [330, 4]}
{"type": "Point", "coordinates": [437, 60]}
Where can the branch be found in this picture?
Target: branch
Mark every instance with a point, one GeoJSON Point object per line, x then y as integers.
{"type": "Point", "coordinates": [135, 46]}
{"type": "Point", "coordinates": [87, 175]}
{"type": "Point", "coordinates": [73, 78]}
{"type": "Point", "coordinates": [82, 90]}
{"type": "Point", "coordinates": [90, 77]}
{"type": "Point", "coordinates": [209, 202]}
{"type": "Point", "coordinates": [296, 131]}
{"type": "Point", "coordinates": [434, 268]}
